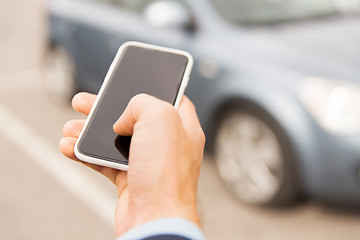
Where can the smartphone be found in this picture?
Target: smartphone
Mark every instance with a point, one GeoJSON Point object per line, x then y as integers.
{"type": "Point", "coordinates": [137, 68]}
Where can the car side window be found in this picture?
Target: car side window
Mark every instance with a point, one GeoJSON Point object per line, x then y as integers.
{"type": "Point", "coordinates": [133, 5]}
{"type": "Point", "coordinates": [136, 6]}
{"type": "Point", "coordinates": [111, 2]}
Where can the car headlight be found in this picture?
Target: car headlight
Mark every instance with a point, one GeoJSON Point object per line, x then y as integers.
{"type": "Point", "coordinates": [334, 104]}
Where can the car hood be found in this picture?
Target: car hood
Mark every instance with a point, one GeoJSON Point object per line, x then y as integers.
{"type": "Point", "coordinates": [327, 47]}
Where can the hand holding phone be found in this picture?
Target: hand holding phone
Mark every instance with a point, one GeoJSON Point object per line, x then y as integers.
{"type": "Point", "coordinates": [137, 68]}
{"type": "Point", "coordinates": [166, 156]}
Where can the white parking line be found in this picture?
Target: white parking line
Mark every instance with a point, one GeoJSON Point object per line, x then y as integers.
{"type": "Point", "coordinates": [51, 160]}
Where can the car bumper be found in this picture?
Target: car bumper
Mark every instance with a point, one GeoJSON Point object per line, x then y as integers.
{"type": "Point", "coordinates": [336, 171]}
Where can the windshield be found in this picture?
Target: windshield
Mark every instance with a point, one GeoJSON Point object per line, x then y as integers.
{"type": "Point", "coordinates": [269, 11]}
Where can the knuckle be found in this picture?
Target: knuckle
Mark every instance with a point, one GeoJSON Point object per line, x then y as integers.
{"type": "Point", "coordinates": [199, 136]}
{"type": "Point", "coordinates": [192, 105]}
{"type": "Point", "coordinates": [202, 137]}
{"type": "Point", "coordinates": [166, 109]}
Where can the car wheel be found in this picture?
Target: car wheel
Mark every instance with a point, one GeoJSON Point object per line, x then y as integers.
{"type": "Point", "coordinates": [253, 159]}
{"type": "Point", "coordinates": [59, 75]}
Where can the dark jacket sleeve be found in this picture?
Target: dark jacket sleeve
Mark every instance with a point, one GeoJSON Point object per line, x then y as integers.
{"type": "Point", "coordinates": [166, 237]}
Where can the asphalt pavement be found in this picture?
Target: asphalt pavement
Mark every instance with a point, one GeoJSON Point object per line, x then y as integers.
{"type": "Point", "coordinates": [46, 196]}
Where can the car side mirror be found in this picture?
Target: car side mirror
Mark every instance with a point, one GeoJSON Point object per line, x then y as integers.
{"type": "Point", "coordinates": [168, 14]}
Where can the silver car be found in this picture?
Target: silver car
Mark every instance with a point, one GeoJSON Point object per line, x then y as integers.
{"type": "Point", "coordinates": [275, 83]}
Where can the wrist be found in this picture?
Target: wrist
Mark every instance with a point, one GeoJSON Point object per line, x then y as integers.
{"type": "Point", "coordinates": [144, 214]}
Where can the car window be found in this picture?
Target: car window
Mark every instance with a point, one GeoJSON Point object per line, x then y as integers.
{"type": "Point", "coordinates": [134, 5]}
{"type": "Point", "coordinates": [106, 1]}
{"type": "Point", "coordinates": [269, 11]}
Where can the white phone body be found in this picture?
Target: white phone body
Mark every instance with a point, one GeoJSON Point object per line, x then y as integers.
{"type": "Point", "coordinates": [111, 71]}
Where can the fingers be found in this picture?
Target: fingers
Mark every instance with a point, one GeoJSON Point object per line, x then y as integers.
{"type": "Point", "coordinates": [141, 106]}
{"type": "Point", "coordinates": [66, 146]}
{"type": "Point", "coordinates": [125, 124]}
{"type": "Point", "coordinates": [144, 104]}
{"type": "Point", "coordinates": [73, 128]}
{"type": "Point", "coordinates": [83, 102]}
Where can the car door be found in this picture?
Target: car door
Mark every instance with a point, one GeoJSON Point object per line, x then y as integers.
{"type": "Point", "coordinates": [106, 24]}
{"type": "Point", "coordinates": [93, 24]}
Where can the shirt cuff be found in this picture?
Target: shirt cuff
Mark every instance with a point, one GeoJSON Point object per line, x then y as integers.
{"type": "Point", "coordinates": [172, 226]}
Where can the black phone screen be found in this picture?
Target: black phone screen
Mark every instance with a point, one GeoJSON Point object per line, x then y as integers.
{"type": "Point", "coordinates": [139, 70]}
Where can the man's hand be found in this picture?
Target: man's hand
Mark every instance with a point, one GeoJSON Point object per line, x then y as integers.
{"type": "Point", "coordinates": [164, 162]}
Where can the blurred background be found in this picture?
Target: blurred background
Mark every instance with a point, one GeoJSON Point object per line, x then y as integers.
{"type": "Point", "coordinates": [275, 83]}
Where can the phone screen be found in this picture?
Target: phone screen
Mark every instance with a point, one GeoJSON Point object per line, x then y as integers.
{"type": "Point", "coordinates": [139, 70]}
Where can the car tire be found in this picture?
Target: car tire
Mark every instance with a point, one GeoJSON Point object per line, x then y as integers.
{"type": "Point", "coordinates": [254, 157]}
{"type": "Point", "coordinates": [60, 75]}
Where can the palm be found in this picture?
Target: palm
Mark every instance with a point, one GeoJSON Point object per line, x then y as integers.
{"type": "Point", "coordinates": [121, 212]}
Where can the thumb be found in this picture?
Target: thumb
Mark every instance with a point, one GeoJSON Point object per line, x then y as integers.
{"type": "Point", "coordinates": [136, 107]}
